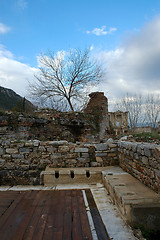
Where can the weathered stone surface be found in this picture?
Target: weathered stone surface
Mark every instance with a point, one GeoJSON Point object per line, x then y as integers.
{"type": "Point", "coordinates": [25, 150]}
{"type": "Point", "coordinates": [36, 143]}
{"type": "Point", "coordinates": [18, 156]}
{"type": "Point", "coordinates": [29, 144]}
{"type": "Point", "coordinates": [145, 160]}
{"type": "Point", "coordinates": [7, 156]}
{"type": "Point", "coordinates": [101, 146]}
{"type": "Point", "coordinates": [57, 143]}
{"type": "Point", "coordinates": [142, 161]}
{"type": "Point", "coordinates": [2, 161]}
{"type": "Point", "coordinates": [109, 141]}
{"type": "Point", "coordinates": [11, 150]}
{"type": "Point", "coordinates": [94, 164]}
{"type": "Point", "coordinates": [147, 151]}
{"type": "Point", "coordinates": [81, 150]}
{"type": "Point", "coordinates": [55, 155]}
{"type": "Point", "coordinates": [63, 149]}
{"type": "Point", "coordinates": [101, 154]}
{"type": "Point", "coordinates": [99, 159]}
{"type": "Point", "coordinates": [21, 159]}
{"type": "Point", "coordinates": [1, 151]}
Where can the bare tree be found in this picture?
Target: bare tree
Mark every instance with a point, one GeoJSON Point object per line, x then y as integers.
{"type": "Point", "coordinates": [65, 76]}
{"type": "Point", "coordinates": [152, 110]}
{"type": "Point", "coordinates": [133, 105]}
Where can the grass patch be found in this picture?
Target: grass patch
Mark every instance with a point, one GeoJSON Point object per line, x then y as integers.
{"type": "Point", "coordinates": [146, 136]}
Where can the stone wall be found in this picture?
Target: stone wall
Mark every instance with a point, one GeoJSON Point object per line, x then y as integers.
{"type": "Point", "coordinates": [142, 160]}
{"type": "Point", "coordinates": [21, 162]}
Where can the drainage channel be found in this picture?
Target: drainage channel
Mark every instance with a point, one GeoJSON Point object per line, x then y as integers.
{"type": "Point", "coordinates": [98, 223]}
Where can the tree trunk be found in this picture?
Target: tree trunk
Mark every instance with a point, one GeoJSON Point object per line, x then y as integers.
{"type": "Point", "coordinates": [70, 104]}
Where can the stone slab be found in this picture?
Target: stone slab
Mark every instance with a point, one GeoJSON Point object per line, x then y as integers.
{"type": "Point", "coordinates": [130, 195]}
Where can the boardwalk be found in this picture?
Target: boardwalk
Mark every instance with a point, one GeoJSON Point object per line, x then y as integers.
{"type": "Point", "coordinates": [58, 215]}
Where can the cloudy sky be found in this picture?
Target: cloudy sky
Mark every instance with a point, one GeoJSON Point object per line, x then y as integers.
{"type": "Point", "coordinates": [124, 34]}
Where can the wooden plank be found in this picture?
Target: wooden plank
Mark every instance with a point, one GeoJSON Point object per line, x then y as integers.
{"type": "Point", "coordinates": [76, 227]}
{"type": "Point", "coordinates": [28, 235]}
{"type": "Point", "coordinates": [10, 210]}
{"type": "Point", "coordinates": [42, 228]}
{"type": "Point", "coordinates": [46, 215]}
{"type": "Point", "coordinates": [12, 223]}
{"type": "Point", "coordinates": [30, 205]}
{"type": "Point", "coordinates": [41, 218]}
{"type": "Point", "coordinates": [54, 227]}
{"type": "Point", "coordinates": [67, 222]}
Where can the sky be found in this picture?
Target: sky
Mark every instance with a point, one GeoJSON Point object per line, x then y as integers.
{"type": "Point", "coordinates": [123, 34]}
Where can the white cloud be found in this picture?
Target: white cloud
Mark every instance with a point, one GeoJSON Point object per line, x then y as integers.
{"type": "Point", "coordinates": [3, 28]}
{"type": "Point", "coordinates": [14, 74]}
{"type": "Point", "coordinates": [101, 31]}
{"type": "Point", "coordinates": [22, 4]}
{"type": "Point", "coordinates": [135, 67]}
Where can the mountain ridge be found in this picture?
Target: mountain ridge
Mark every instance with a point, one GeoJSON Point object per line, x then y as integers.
{"type": "Point", "coordinates": [10, 100]}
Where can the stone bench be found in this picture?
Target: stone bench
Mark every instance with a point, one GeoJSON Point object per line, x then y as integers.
{"type": "Point", "coordinates": [138, 204]}
{"type": "Point", "coordinates": [55, 176]}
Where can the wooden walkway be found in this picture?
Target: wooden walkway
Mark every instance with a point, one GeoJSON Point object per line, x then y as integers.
{"type": "Point", "coordinates": [57, 215]}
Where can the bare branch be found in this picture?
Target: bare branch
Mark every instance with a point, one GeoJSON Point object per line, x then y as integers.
{"type": "Point", "coordinates": [65, 75]}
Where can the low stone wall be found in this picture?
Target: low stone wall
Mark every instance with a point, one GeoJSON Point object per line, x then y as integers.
{"type": "Point", "coordinates": [142, 160]}
{"type": "Point", "coordinates": [21, 162]}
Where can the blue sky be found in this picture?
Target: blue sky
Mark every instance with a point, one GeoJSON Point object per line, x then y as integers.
{"type": "Point", "coordinates": [114, 28]}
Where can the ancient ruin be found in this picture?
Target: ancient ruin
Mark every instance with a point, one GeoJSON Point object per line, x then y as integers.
{"type": "Point", "coordinates": [54, 149]}
{"type": "Point", "coordinates": [119, 122]}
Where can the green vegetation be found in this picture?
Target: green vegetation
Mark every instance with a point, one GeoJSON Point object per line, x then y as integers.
{"type": "Point", "coordinates": [149, 234]}
{"type": "Point", "coordinates": [146, 136]}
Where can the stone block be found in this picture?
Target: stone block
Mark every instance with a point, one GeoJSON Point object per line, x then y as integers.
{"type": "Point", "coordinates": [94, 164]}
{"type": "Point", "coordinates": [18, 156]}
{"type": "Point", "coordinates": [55, 156]}
{"type": "Point", "coordinates": [29, 144]}
{"type": "Point", "coordinates": [101, 154]}
{"type": "Point", "coordinates": [6, 143]}
{"type": "Point", "coordinates": [7, 156]}
{"type": "Point", "coordinates": [81, 159]}
{"type": "Point", "coordinates": [50, 149]}
{"type": "Point", "coordinates": [25, 150]}
{"type": "Point", "coordinates": [113, 146]}
{"type": "Point", "coordinates": [145, 160]}
{"type": "Point", "coordinates": [63, 149]}
{"type": "Point", "coordinates": [2, 161]}
{"type": "Point", "coordinates": [1, 151]}
{"type": "Point", "coordinates": [147, 151]}
{"type": "Point", "coordinates": [11, 150]}
{"type": "Point", "coordinates": [42, 148]}
{"type": "Point", "coordinates": [36, 143]}
{"type": "Point", "coordinates": [101, 146]}
{"type": "Point", "coordinates": [99, 159]}
{"type": "Point", "coordinates": [81, 150]}
{"type": "Point", "coordinates": [58, 143]}
{"type": "Point", "coordinates": [84, 155]}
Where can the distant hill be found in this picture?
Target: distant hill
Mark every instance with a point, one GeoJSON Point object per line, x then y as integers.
{"type": "Point", "coordinates": [9, 100]}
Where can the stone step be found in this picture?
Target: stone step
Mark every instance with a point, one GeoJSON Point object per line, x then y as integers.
{"type": "Point", "coordinates": [138, 204]}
